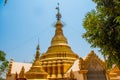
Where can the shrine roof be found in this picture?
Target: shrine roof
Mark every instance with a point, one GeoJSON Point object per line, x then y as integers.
{"type": "Point", "coordinates": [16, 67]}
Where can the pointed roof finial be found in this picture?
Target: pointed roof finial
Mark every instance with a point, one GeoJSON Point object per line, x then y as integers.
{"type": "Point", "coordinates": [38, 51]}
{"type": "Point", "coordinates": [58, 15]}
{"type": "Point", "coordinates": [58, 8]}
{"type": "Point", "coordinates": [38, 46]}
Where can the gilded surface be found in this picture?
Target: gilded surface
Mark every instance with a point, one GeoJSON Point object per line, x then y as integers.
{"type": "Point", "coordinates": [59, 55]}
{"type": "Point", "coordinates": [36, 71]}
{"type": "Point", "coordinates": [22, 73]}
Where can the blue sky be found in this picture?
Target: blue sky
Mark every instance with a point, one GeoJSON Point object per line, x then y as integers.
{"type": "Point", "coordinates": [22, 22]}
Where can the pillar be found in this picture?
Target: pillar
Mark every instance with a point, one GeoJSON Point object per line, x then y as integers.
{"type": "Point", "coordinates": [54, 70]}
{"type": "Point", "coordinates": [59, 70]}
{"type": "Point", "coordinates": [84, 73]}
{"type": "Point", "coordinates": [48, 70]}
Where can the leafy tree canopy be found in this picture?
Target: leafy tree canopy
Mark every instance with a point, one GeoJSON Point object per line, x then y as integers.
{"type": "Point", "coordinates": [102, 27]}
{"type": "Point", "coordinates": [3, 64]}
{"type": "Point", "coordinates": [3, 2]}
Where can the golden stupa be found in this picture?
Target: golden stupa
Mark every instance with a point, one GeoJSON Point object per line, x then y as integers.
{"type": "Point", "coordinates": [59, 56]}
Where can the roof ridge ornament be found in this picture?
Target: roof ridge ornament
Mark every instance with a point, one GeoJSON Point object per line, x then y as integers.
{"type": "Point", "coordinates": [58, 15]}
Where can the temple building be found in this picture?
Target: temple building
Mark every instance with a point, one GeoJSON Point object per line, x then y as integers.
{"type": "Point", "coordinates": [59, 62]}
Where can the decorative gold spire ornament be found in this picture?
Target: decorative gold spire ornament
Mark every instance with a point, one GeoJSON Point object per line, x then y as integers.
{"type": "Point", "coordinates": [58, 38]}
{"type": "Point", "coordinates": [22, 72]}
{"type": "Point", "coordinates": [36, 71]}
{"type": "Point", "coordinates": [58, 14]}
{"type": "Point", "coordinates": [59, 45]}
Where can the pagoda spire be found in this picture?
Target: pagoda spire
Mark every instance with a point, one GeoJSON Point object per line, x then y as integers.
{"type": "Point", "coordinates": [58, 15]}
{"type": "Point", "coordinates": [37, 56]}
{"type": "Point", "coordinates": [22, 72]}
{"type": "Point", "coordinates": [36, 71]}
{"type": "Point", "coordinates": [38, 46]}
{"type": "Point", "coordinates": [59, 38]}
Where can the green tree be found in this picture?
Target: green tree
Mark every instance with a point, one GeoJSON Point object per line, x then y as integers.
{"type": "Point", "coordinates": [3, 64]}
{"type": "Point", "coordinates": [102, 27]}
{"type": "Point", "coordinates": [4, 2]}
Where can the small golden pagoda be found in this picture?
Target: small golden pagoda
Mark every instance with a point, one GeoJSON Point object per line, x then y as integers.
{"type": "Point", "coordinates": [22, 73]}
{"type": "Point", "coordinates": [36, 71]}
{"type": "Point", "coordinates": [59, 56]}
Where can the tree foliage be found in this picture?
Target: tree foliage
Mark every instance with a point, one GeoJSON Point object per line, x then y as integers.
{"type": "Point", "coordinates": [4, 2]}
{"type": "Point", "coordinates": [102, 27]}
{"type": "Point", "coordinates": [3, 63]}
